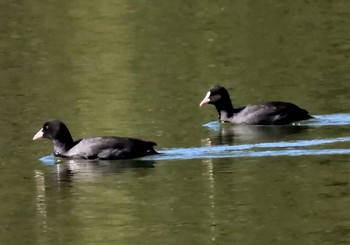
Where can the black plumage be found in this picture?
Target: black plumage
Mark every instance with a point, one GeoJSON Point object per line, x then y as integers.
{"type": "Point", "coordinates": [107, 147]}
{"type": "Point", "coordinates": [264, 113]}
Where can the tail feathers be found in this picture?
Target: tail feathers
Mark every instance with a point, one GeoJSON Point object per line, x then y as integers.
{"type": "Point", "coordinates": [152, 151]}
{"type": "Point", "coordinates": [152, 143]}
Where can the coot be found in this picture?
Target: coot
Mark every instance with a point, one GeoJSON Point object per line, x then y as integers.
{"type": "Point", "coordinates": [265, 113]}
{"type": "Point", "coordinates": [108, 147]}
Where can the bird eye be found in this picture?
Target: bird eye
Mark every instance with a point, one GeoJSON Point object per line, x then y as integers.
{"type": "Point", "coordinates": [47, 126]}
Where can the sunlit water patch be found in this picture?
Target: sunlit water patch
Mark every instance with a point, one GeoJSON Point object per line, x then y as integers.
{"type": "Point", "coordinates": [49, 160]}
{"type": "Point", "coordinates": [328, 120]}
{"type": "Point", "coordinates": [182, 154]}
{"type": "Point", "coordinates": [291, 148]}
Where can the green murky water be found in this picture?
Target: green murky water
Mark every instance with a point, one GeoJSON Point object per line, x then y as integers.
{"type": "Point", "coordinates": [140, 69]}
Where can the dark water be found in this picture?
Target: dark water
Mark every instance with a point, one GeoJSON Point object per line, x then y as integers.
{"type": "Point", "coordinates": [136, 68]}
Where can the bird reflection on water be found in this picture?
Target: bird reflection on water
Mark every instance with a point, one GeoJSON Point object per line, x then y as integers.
{"type": "Point", "coordinates": [65, 170]}
{"type": "Point", "coordinates": [228, 134]}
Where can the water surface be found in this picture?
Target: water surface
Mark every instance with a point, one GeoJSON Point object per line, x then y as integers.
{"type": "Point", "coordinates": [140, 69]}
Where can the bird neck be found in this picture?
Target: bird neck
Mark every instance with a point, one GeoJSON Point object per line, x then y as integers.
{"type": "Point", "coordinates": [62, 146]}
{"type": "Point", "coordinates": [225, 112]}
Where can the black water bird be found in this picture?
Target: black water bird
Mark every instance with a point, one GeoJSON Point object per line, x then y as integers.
{"type": "Point", "coordinates": [107, 147]}
{"type": "Point", "coordinates": [264, 113]}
